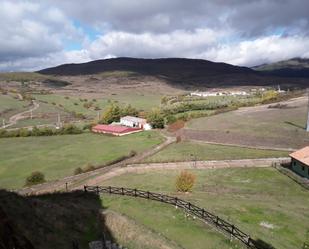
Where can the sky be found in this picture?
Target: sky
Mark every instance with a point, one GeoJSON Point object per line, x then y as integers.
{"type": "Point", "coordinates": [36, 34]}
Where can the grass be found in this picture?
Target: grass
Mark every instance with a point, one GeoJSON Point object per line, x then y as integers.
{"type": "Point", "coordinates": [140, 101]}
{"type": "Point", "coordinates": [268, 126]}
{"type": "Point", "coordinates": [134, 235]}
{"type": "Point", "coordinates": [246, 197]}
{"type": "Point", "coordinates": [187, 151]}
{"type": "Point", "coordinates": [71, 103]}
{"type": "Point", "coordinates": [58, 156]}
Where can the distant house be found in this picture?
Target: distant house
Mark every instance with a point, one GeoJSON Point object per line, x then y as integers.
{"type": "Point", "coordinates": [300, 162]}
{"type": "Point", "coordinates": [135, 122]}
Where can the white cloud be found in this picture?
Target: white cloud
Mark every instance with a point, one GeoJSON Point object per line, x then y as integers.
{"type": "Point", "coordinates": [36, 34]}
{"type": "Point", "coordinates": [31, 30]}
{"type": "Point", "coordinates": [261, 50]}
{"type": "Point", "coordinates": [179, 43]}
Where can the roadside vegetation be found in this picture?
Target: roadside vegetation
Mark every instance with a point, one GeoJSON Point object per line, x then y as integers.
{"type": "Point", "coordinates": [260, 201]}
{"type": "Point", "coordinates": [67, 129]}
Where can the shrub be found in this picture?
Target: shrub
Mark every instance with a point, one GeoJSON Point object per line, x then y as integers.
{"type": "Point", "coordinates": [170, 119]}
{"type": "Point", "coordinates": [132, 153]}
{"type": "Point", "coordinates": [88, 167]}
{"type": "Point", "coordinates": [36, 177]}
{"type": "Point", "coordinates": [88, 127]}
{"type": "Point", "coordinates": [78, 171]}
{"type": "Point", "coordinates": [185, 181]}
{"type": "Point", "coordinates": [156, 119]}
{"type": "Point", "coordinates": [66, 97]}
{"type": "Point", "coordinates": [70, 129]}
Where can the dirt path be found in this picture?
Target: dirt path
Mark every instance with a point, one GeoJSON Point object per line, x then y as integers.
{"type": "Point", "coordinates": [203, 165]}
{"type": "Point", "coordinates": [81, 179]}
{"type": "Point", "coordinates": [14, 119]}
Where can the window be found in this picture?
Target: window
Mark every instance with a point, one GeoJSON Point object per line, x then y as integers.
{"type": "Point", "coordinates": [303, 168]}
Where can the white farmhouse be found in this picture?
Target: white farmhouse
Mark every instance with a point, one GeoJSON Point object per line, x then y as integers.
{"type": "Point", "coordinates": [135, 122]}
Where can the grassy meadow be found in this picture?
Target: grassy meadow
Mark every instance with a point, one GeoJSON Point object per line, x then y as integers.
{"type": "Point", "coordinates": [187, 151]}
{"type": "Point", "coordinates": [58, 156]}
{"type": "Point", "coordinates": [260, 201]}
{"type": "Point", "coordinates": [262, 126]}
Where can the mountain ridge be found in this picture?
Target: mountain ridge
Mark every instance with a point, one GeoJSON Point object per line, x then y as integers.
{"type": "Point", "coordinates": [175, 71]}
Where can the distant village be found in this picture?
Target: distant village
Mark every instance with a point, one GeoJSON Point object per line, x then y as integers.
{"type": "Point", "coordinates": [232, 93]}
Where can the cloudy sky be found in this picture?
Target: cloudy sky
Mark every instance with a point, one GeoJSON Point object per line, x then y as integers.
{"type": "Point", "coordinates": [35, 34]}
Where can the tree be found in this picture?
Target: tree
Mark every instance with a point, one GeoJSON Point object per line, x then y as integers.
{"type": "Point", "coordinates": [129, 111]}
{"type": "Point", "coordinates": [36, 177]}
{"type": "Point", "coordinates": [156, 119]}
{"type": "Point", "coordinates": [185, 181]}
{"type": "Point", "coordinates": [111, 114]}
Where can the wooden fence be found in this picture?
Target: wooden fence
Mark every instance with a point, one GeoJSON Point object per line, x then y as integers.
{"type": "Point", "coordinates": [201, 213]}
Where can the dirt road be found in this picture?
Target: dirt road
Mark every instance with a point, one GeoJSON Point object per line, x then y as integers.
{"type": "Point", "coordinates": [203, 165]}
{"type": "Point", "coordinates": [22, 115]}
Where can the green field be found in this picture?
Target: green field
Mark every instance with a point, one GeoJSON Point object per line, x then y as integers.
{"type": "Point", "coordinates": [260, 201]}
{"type": "Point", "coordinates": [256, 126]}
{"type": "Point", "coordinates": [140, 101]}
{"type": "Point", "coordinates": [188, 151]}
{"type": "Point", "coordinates": [58, 156]}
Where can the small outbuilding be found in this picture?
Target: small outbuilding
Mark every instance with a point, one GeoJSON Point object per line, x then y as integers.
{"type": "Point", "coordinates": [300, 162]}
{"type": "Point", "coordinates": [135, 122]}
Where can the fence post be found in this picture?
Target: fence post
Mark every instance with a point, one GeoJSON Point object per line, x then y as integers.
{"type": "Point", "coordinates": [249, 242]}
{"type": "Point", "coordinates": [147, 194]}
{"type": "Point", "coordinates": [176, 199]}
{"type": "Point", "coordinates": [85, 188]}
{"type": "Point", "coordinates": [203, 213]}
{"type": "Point", "coordinates": [135, 192]}
{"type": "Point", "coordinates": [217, 220]}
{"type": "Point", "coordinates": [110, 189]}
{"type": "Point", "coordinates": [122, 191]}
{"type": "Point", "coordinates": [232, 233]}
{"type": "Point", "coordinates": [97, 190]}
{"type": "Point", "coordinates": [189, 205]}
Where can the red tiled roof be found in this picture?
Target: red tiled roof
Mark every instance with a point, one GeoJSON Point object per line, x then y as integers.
{"type": "Point", "coordinates": [113, 128]}
{"type": "Point", "coordinates": [301, 155]}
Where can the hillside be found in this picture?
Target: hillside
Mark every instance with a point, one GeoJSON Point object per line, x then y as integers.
{"type": "Point", "coordinates": [184, 72]}
{"type": "Point", "coordinates": [295, 67]}
{"type": "Point", "coordinates": [50, 221]}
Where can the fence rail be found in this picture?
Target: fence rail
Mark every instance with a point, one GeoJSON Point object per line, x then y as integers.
{"type": "Point", "coordinates": [201, 213]}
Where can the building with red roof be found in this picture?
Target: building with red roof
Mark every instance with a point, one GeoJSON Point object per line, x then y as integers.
{"type": "Point", "coordinates": [116, 130]}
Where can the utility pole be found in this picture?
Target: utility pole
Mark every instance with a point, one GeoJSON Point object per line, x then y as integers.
{"type": "Point", "coordinates": [58, 121]}
{"type": "Point", "coordinates": [31, 114]}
